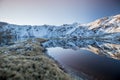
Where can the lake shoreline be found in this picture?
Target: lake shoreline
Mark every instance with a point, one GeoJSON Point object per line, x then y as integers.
{"type": "Point", "coordinates": [75, 74]}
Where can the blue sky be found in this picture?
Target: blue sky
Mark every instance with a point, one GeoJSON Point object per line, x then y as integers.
{"type": "Point", "coordinates": [56, 12]}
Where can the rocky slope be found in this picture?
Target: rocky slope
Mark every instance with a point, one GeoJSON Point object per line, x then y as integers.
{"type": "Point", "coordinates": [109, 27]}
{"type": "Point", "coordinates": [106, 24]}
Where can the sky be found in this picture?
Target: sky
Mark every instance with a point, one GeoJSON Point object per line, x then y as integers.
{"type": "Point", "coordinates": [56, 12]}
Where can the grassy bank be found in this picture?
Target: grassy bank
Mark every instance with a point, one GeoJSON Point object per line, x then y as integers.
{"type": "Point", "coordinates": [27, 61]}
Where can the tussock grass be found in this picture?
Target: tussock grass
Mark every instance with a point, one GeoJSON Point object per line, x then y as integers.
{"type": "Point", "coordinates": [27, 61]}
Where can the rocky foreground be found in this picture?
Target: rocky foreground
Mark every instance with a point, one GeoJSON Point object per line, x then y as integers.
{"type": "Point", "coordinates": [27, 61]}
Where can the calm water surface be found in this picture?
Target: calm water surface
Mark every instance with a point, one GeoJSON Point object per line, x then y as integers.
{"type": "Point", "coordinates": [98, 67]}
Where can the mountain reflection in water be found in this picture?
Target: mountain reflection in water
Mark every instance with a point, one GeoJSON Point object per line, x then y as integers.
{"type": "Point", "coordinates": [99, 67]}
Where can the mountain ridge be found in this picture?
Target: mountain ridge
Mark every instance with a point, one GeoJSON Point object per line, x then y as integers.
{"type": "Point", "coordinates": [106, 25]}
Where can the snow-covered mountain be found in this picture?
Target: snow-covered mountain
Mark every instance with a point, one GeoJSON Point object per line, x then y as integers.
{"type": "Point", "coordinates": [107, 24]}
{"type": "Point", "coordinates": [104, 27]}
{"type": "Point", "coordinates": [101, 36]}
{"type": "Point", "coordinates": [11, 32]}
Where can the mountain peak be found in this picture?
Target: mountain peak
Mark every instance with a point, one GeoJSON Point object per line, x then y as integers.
{"type": "Point", "coordinates": [105, 21]}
